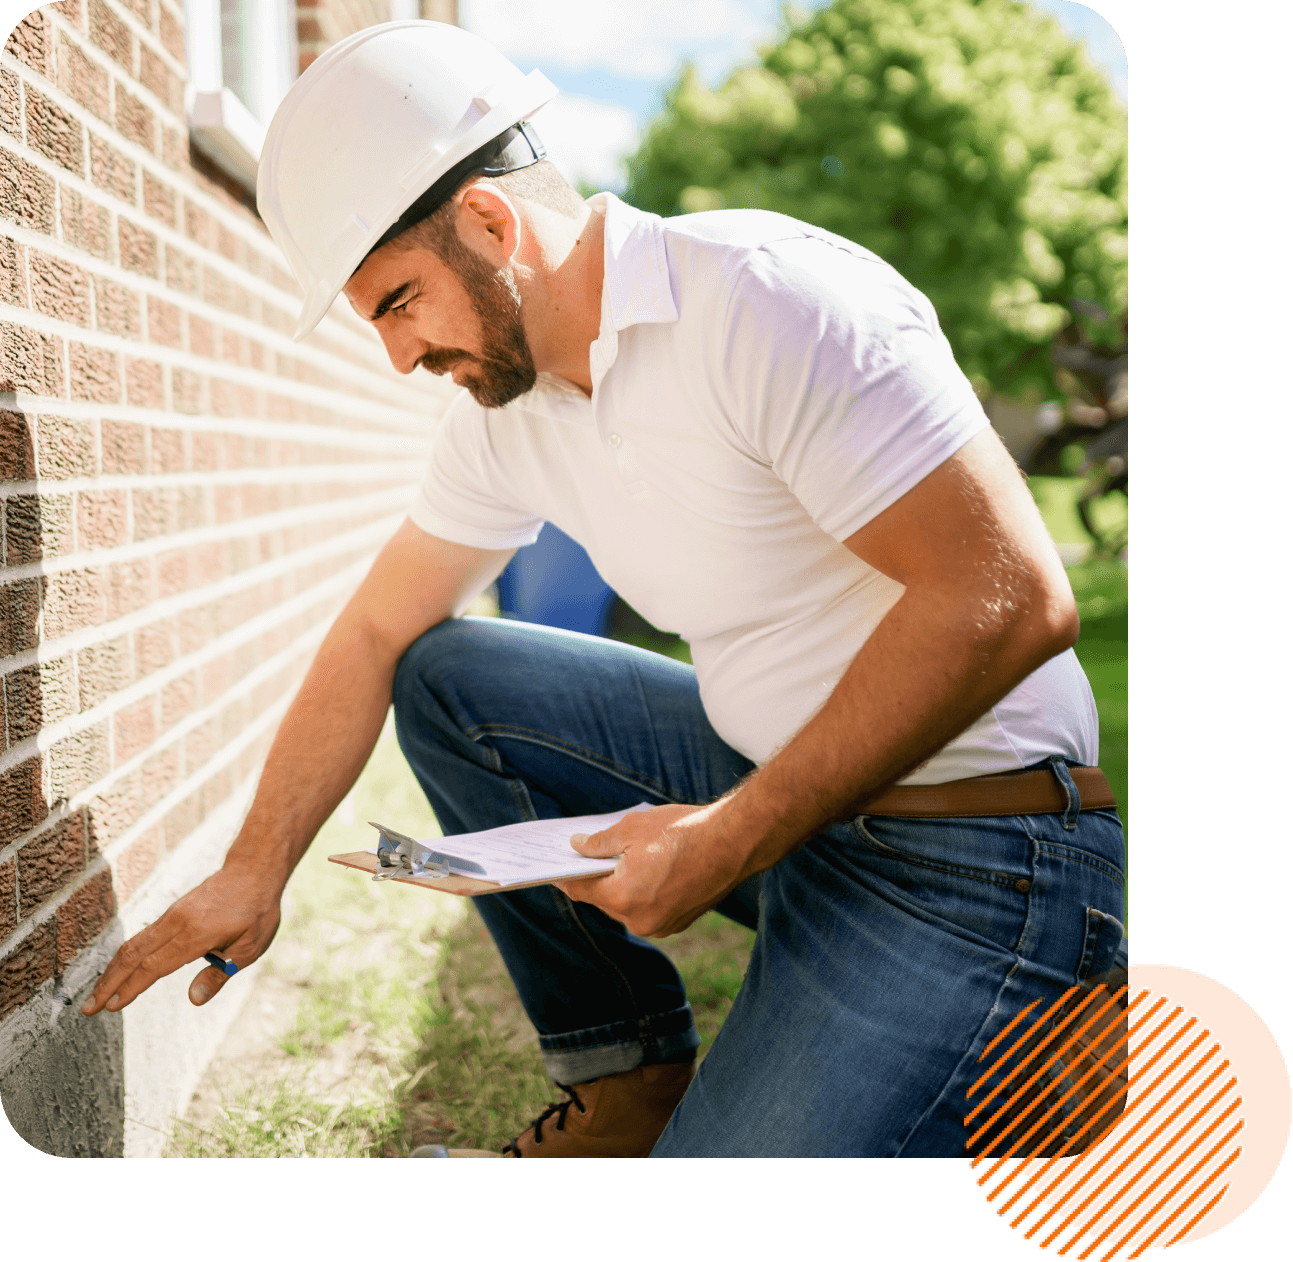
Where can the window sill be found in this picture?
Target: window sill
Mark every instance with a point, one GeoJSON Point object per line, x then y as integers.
{"type": "Point", "coordinates": [227, 132]}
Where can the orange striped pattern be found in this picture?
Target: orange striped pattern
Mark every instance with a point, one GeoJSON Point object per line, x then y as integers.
{"type": "Point", "coordinates": [1113, 1121]}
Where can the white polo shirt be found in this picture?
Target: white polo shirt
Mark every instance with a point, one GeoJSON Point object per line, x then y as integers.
{"type": "Point", "coordinates": [761, 390]}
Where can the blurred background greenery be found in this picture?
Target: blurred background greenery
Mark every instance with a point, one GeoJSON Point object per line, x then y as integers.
{"type": "Point", "coordinates": [971, 144]}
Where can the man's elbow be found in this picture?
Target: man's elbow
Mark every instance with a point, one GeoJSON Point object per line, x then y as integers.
{"type": "Point", "coordinates": [1054, 625]}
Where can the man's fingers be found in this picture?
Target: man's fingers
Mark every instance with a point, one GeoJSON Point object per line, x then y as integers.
{"type": "Point", "coordinates": [207, 983]}
{"type": "Point", "coordinates": [602, 845]}
{"type": "Point", "coordinates": [119, 976]}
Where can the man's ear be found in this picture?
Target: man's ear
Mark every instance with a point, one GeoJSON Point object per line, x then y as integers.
{"type": "Point", "coordinates": [489, 222]}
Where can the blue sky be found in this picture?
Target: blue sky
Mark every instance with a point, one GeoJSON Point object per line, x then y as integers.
{"type": "Point", "coordinates": [613, 61]}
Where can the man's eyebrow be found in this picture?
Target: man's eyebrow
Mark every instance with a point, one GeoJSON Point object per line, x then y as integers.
{"type": "Point", "coordinates": [389, 301]}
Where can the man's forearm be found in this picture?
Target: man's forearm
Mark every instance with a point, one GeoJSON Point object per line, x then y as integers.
{"type": "Point", "coordinates": [933, 665]}
{"type": "Point", "coordinates": [321, 747]}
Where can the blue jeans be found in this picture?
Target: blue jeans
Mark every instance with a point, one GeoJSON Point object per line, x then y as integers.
{"type": "Point", "coordinates": [889, 952]}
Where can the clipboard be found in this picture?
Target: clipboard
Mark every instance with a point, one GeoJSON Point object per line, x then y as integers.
{"type": "Point", "coordinates": [467, 886]}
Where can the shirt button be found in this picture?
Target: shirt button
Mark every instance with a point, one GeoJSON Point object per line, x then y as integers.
{"type": "Point", "coordinates": [614, 440]}
{"type": "Point", "coordinates": [1023, 885]}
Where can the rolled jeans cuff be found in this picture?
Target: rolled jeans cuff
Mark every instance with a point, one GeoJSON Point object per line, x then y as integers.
{"type": "Point", "coordinates": [582, 1055]}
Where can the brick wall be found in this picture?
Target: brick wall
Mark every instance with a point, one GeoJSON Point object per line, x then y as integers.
{"type": "Point", "coordinates": [188, 497]}
{"type": "Point", "coordinates": [322, 23]}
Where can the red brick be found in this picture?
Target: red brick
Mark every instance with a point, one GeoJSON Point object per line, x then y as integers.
{"type": "Point", "coordinates": [215, 791]}
{"type": "Point", "coordinates": [153, 649]}
{"type": "Point", "coordinates": [72, 12]}
{"type": "Point", "coordinates": [111, 812]}
{"type": "Point", "coordinates": [134, 728]}
{"type": "Point", "coordinates": [66, 448]}
{"type": "Point", "coordinates": [22, 530]}
{"type": "Point", "coordinates": [172, 34]}
{"type": "Point", "coordinates": [56, 524]}
{"type": "Point", "coordinates": [116, 309]}
{"type": "Point", "coordinates": [138, 249]}
{"type": "Point", "coordinates": [73, 601]}
{"type": "Point", "coordinates": [26, 969]}
{"type": "Point", "coordinates": [128, 586]}
{"type": "Point", "coordinates": [10, 104]}
{"type": "Point", "coordinates": [144, 383]}
{"type": "Point", "coordinates": [180, 821]}
{"type": "Point", "coordinates": [103, 669]}
{"type": "Point", "coordinates": [32, 42]}
{"type": "Point", "coordinates": [100, 519]}
{"type": "Point", "coordinates": [17, 451]}
{"type": "Point", "coordinates": [202, 744]}
{"type": "Point", "coordinates": [49, 862]}
{"type": "Point", "coordinates": [13, 273]}
{"type": "Point", "coordinates": [135, 121]}
{"type": "Point", "coordinates": [30, 361]}
{"type": "Point", "coordinates": [86, 224]}
{"type": "Point", "coordinates": [136, 863]}
{"type": "Point", "coordinates": [112, 170]}
{"type": "Point", "coordinates": [52, 131]}
{"type": "Point", "coordinates": [26, 193]}
{"type": "Point", "coordinates": [83, 80]}
{"type": "Point", "coordinates": [143, 11]}
{"type": "Point", "coordinates": [181, 271]}
{"type": "Point", "coordinates": [79, 761]}
{"type": "Point", "coordinates": [84, 916]}
{"type": "Point", "coordinates": [186, 392]}
{"type": "Point", "coordinates": [19, 614]}
{"type": "Point", "coordinates": [8, 899]}
{"type": "Point", "coordinates": [125, 448]}
{"type": "Point", "coordinates": [161, 773]}
{"type": "Point", "coordinates": [160, 80]}
{"type": "Point", "coordinates": [110, 33]}
{"type": "Point", "coordinates": [172, 573]}
{"type": "Point", "coordinates": [201, 341]}
{"type": "Point", "coordinates": [96, 373]}
{"type": "Point", "coordinates": [159, 199]}
{"type": "Point", "coordinates": [179, 699]}
{"type": "Point", "coordinates": [163, 322]}
{"type": "Point", "coordinates": [36, 696]}
{"type": "Point", "coordinates": [177, 150]}
{"type": "Point", "coordinates": [152, 512]}
{"type": "Point", "coordinates": [23, 712]}
{"type": "Point", "coordinates": [168, 451]}
{"type": "Point", "coordinates": [22, 800]}
{"type": "Point", "coordinates": [60, 289]}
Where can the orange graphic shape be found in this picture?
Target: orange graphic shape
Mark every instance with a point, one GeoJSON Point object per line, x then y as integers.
{"type": "Point", "coordinates": [1118, 1135]}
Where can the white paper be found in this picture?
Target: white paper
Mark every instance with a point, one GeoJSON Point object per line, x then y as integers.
{"type": "Point", "coordinates": [537, 850]}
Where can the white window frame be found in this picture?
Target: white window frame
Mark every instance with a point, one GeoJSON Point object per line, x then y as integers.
{"type": "Point", "coordinates": [222, 127]}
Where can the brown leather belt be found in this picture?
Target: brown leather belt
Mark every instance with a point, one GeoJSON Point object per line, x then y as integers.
{"type": "Point", "coordinates": [1007, 793]}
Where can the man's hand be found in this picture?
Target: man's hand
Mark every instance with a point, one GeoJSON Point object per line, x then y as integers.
{"type": "Point", "coordinates": [232, 912]}
{"type": "Point", "coordinates": [677, 863]}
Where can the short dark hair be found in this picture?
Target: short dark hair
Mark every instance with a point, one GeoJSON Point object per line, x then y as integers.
{"type": "Point", "coordinates": [540, 183]}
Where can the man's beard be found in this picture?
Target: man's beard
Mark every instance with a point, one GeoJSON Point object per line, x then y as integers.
{"type": "Point", "coordinates": [505, 369]}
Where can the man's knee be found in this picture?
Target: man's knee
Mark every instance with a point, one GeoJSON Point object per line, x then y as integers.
{"type": "Point", "coordinates": [449, 650]}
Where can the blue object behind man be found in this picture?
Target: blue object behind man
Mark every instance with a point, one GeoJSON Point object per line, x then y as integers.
{"type": "Point", "coordinates": [553, 582]}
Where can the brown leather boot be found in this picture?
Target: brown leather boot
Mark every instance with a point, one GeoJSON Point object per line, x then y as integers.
{"type": "Point", "coordinates": [620, 1115]}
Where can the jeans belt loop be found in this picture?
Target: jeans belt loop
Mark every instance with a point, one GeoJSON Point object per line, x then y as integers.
{"type": "Point", "coordinates": [1061, 770]}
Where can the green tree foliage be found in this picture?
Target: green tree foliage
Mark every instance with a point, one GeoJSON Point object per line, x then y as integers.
{"type": "Point", "coordinates": [968, 142]}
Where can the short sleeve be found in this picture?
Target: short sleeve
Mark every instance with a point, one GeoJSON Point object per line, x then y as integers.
{"type": "Point", "coordinates": [841, 380]}
{"type": "Point", "coordinates": [458, 499]}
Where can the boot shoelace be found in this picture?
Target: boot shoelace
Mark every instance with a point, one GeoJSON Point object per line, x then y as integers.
{"type": "Point", "coordinates": [560, 1109]}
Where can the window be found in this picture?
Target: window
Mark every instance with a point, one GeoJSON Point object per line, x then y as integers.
{"type": "Point", "coordinates": [242, 60]}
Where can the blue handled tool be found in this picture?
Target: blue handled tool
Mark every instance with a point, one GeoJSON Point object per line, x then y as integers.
{"type": "Point", "coordinates": [227, 967]}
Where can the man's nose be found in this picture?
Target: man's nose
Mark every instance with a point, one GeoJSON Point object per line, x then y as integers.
{"type": "Point", "coordinates": [403, 346]}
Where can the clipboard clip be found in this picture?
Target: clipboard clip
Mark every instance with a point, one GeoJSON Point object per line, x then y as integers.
{"type": "Point", "coordinates": [398, 855]}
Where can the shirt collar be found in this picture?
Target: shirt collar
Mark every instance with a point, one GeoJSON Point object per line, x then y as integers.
{"type": "Point", "coordinates": [635, 285]}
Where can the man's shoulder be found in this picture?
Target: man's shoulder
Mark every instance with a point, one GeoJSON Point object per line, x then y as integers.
{"type": "Point", "coordinates": [736, 236]}
{"type": "Point", "coordinates": [771, 259]}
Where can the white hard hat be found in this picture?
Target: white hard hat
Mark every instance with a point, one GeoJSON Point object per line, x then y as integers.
{"type": "Point", "coordinates": [395, 115]}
